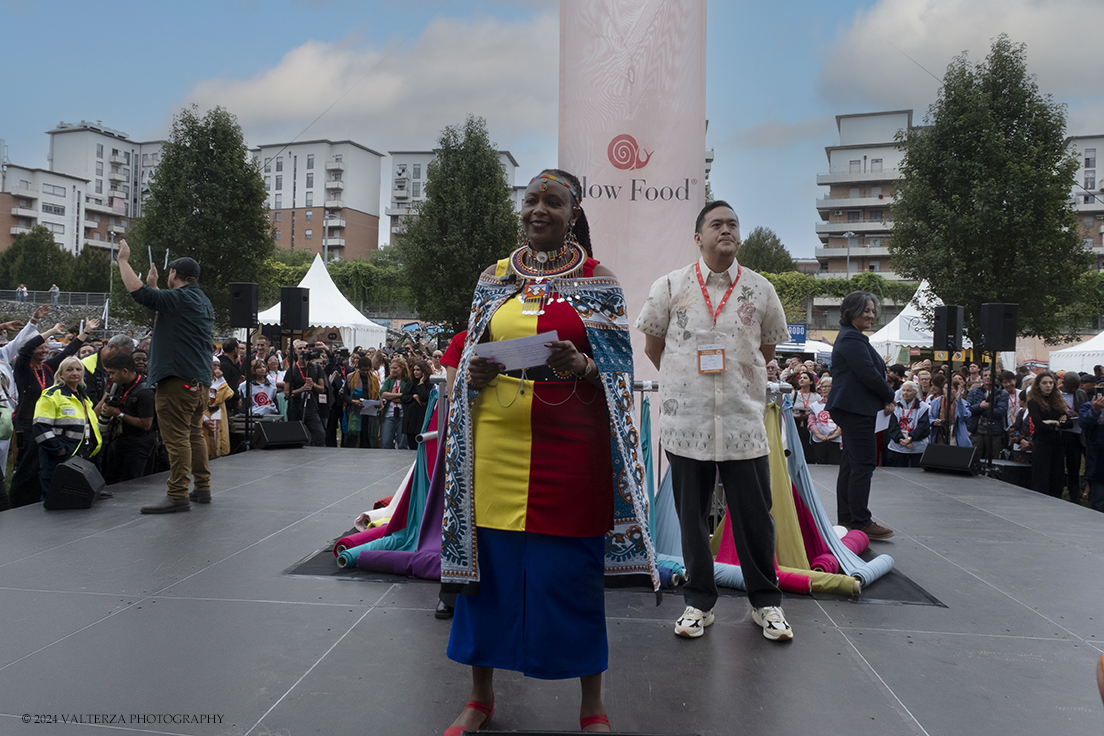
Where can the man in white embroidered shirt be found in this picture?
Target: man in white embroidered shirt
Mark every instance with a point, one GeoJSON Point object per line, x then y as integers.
{"type": "Point", "coordinates": [710, 329]}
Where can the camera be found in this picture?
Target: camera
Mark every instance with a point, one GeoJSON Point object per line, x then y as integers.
{"type": "Point", "coordinates": [310, 354]}
{"type": "Point", "coordinates": [113, 401]}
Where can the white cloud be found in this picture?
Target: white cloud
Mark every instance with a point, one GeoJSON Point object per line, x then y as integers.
{"type": "Point", "coordinates": [506, 72]}
{"type": "Point", "coordinates": [863, 71]}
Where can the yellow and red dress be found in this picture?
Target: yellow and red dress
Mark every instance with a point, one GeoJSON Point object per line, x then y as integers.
{"type": "Point", "coordinates": [543, 502]}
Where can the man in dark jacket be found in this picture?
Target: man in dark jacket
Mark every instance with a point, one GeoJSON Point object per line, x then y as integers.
{"type": "Point", "coordinates": [1092, 424]}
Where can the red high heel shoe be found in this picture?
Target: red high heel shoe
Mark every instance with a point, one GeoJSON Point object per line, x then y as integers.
{"type": "Point", "coordinates": [488, 710]}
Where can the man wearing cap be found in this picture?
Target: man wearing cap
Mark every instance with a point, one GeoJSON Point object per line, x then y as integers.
{"type": "Point", "coordinates": [180, 368]}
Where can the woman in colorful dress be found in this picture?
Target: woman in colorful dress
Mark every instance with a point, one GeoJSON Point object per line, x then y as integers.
{"type": "Point", "coordinates": [543, 494]}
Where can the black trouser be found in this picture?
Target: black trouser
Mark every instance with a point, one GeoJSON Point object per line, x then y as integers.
{"type": "Point", "coordinates": [1072, 450]}
{"type": "Point", "coordinates": [826, 453]}
{"type": "Point", "coordinates": [1046, 465]}
{"type": "Point", "coordinates": [857, 460]}
{"type": "Point", "coordinates": [127, 458]}
{"type": "Point", "coordinates": [748, 495]}
{"type": "Point", "coordinates": [896, 459]}
{"type": "Point", "coordinates": [25, 486]}
{"type": "Point", "coordinates": [306, 411]}
{"type": "Point", "coordinates": [990, 446]}
{"type": "Point", "coordinates": [332, 423]}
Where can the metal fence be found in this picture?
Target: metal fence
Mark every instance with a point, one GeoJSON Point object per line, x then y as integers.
{"type": "Point", "coordinates": [65, 298]}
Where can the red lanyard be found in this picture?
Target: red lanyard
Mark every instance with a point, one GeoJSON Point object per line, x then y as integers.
{"type": "Point", "coordinates": [705, 293]}
{"type": "Point", "coordinates": [128, 392]}
{"type": "Point", "coordinates": [907, 419]}
{"type": "Point", "coordinates": [40, 377]}
{"type": "Point", "coordinates": [805, 399]}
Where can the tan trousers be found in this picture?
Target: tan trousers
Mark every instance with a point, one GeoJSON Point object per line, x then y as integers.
{"type": "Point", "coordinates": [180, 418]}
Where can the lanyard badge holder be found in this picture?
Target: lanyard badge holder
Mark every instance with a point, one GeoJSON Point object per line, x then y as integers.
{"type": "Point", "coordinates": [711, 343]}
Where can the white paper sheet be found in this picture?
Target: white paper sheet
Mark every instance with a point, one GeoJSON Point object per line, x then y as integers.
{"type": "Point", "coordinates": [522, 352]}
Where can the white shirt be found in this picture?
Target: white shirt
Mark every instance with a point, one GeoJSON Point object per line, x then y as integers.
{"type": "Point", "coordinates": [713, 416]}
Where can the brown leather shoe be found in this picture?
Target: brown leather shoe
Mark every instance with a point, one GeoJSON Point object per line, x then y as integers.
{"type": "Point", "coordinates": [200, 497]}
{"type": "Point", "coordinates": [876, 532]}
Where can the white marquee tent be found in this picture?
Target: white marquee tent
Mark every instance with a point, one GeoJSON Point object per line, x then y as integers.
{"type": "Point", "coordinates": [1080, 358]}
{"type": "Point", "coordinates": [907, 329]}
{"type": "Point", "coordinates": [330, 308]}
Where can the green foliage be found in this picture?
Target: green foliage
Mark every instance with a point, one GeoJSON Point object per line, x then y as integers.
{"type": "Point", "coordinates": [466, 223]}
{"type": "Point", "coordinates": [34, 259]}
{"type": "Point", "coordinates": [91, 271]}
{"type": "Point", "coordinates": [982, 212]}
{"type": "Point", "coordinates": [763, 252]}
{"type": "Point", "coordinates": [794, 289]}
{"type": "Point", "coordinates": [207, 201]}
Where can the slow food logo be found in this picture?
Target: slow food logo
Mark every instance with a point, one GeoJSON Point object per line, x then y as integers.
{"type": "Point", "coordinates": [625, 154]}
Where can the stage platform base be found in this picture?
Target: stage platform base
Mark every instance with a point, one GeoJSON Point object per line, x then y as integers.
{"type": "Point", "coordinates": [107, 613]}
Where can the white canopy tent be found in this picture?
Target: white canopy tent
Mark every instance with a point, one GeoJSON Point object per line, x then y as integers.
{"type": "Point", "coordinates": [1080, 358]}
{"type": "Point", "coordinates": [329, 308]}
{"type": "Point", "coordinates": [908, 329]}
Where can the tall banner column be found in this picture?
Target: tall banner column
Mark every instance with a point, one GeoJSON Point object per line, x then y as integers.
{"type": "Point", "coordinates": [632, 128]}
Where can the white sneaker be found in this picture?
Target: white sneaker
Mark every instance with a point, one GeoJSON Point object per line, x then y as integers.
{"type": "Point", "coordinates": [773, 622]}
{"type": "Point", "coordinates": [692, 622]}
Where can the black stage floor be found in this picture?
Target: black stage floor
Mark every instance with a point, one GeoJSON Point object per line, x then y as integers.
{"type": "Point", "coordinates": [143, 618]}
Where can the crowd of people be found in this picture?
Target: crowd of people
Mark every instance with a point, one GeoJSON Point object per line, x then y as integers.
{"type": "Point", "coordinates": [1054, 422]}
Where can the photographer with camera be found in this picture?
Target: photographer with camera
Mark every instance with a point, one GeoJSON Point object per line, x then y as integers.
{"type": "Point", "coordinates": [127, 409]}
{"type": "Point", "coordinates": [303, 382]}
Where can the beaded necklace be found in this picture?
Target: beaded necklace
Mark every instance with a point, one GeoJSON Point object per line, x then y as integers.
{"type": "Point", "coordinates": [546, 280]}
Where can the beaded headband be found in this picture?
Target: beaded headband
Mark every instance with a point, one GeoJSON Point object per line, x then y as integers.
{"type": "Point", "coordinates": [570, 188]}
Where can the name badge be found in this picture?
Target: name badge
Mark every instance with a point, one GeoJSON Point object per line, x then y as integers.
{"type": "Point", "coordinates": [711, 352]}
{"type": "Point", "coordinates": [68, 411]}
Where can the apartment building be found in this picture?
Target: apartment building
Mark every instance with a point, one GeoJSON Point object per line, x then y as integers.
{"type": "Point", "coordinates": [1088, 193]}
{"type": "Point", "coordinates": [30, 197]}
{"type": "Point", "coordinates": [408, 180]}
{"type": "Point", "coordinates": [323, 196]}
{"type": "Point", "coordinates": [862, 176]}
{"type": "Point", "coordinates": [116, 168]}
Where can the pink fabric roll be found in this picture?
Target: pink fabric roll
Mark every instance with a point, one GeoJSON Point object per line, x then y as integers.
{"type": "Point", "coordinates": [394, 524]}
{"type": "Point", "coordinates": [355, 540]}
{"type": "Point", "coordinates": [856, 541]}
{"type": "Point", "coordinates": [792, 582]}
{"type": "Point", "coordinates": [826, 562]}
{"type": "Point", "coordinates": [815, 546]}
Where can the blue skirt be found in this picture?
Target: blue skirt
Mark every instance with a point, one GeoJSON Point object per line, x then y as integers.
{"type": "Point", "coordinates": [541, 608]}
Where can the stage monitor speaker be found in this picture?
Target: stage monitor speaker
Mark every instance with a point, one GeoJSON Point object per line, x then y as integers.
{"type": "Point", "coordinates": [998, 327]}
{"type": "Point", "coordinates": [294, 308]}
{"type": "Point", "coordinates": [243, 304]}
{"type": "Point", "coordinates": [75, 485]}
{"type": "Point", "coordinates": [947, 329]}
{"type": "Point", "coordinates": [279, 435]}
{"type": "Point", "coordinates": [951, 459]}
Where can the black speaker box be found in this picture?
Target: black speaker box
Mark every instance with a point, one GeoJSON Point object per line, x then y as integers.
{"type": "Point", "coordinates": [947, 329]}
{"type": "Point", "coordinates": [1018, 474]}
{"type": "Point", "coordinates": [279, 435]}
{"type": "Point", "coordinates": [75, 485]}
{"type": "Point", "coordinates": [998, 327]}
{"type": "Point", "coordinates": [243, 304]}
{"type": "Point", "coordinates": [951, 459]}
{"type": "Point", "coordinates": [294, 308]}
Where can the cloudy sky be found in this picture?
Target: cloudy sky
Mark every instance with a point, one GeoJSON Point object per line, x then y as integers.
{"type": "Point", "coordinates": [391, 73]}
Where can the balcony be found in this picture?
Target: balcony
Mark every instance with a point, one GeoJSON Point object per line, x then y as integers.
{"type": "Point", "coordinates": [24, 192]}
{"type": "Point", "coordinates": [335, 185]}
{"type": "Point", "coordinates": [97, 207]}
{"type": "Point", "coordinates": [91, 223]}
{"type": "Point", "coordinates": [857, 251]}
{"type": "Point", "coordinates": [844, 177]}
{"type": "Point", "coordinates": [119, 159]}
{"type": "Point", "coordinates": [118, 194]}
{"type": "Point", "coordinates": [333, 222]}
{"type": "Point", "coordinates": [118, 176]}
{"type": "Point", "coordinates": [117, 229]}
{"type": "Point", "coordinates": [824, 229]}
{"type": "Point", "coordinates": [333, 242]}
{"type": "Point", "coordinates": [102, 244]}
{"type": "Point", "coordinates": [334, 204]}
{"type": "Point", "coordinates": [16, 230]}
{"type": "Point", "coordinates": [850, 203]}
{"type": "Point", "coordinates": [23, 212]}
{"type": "Point", "coordinates": [335, 166]}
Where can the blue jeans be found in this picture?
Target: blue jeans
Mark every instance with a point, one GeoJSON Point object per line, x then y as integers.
{"type": "Point", "coordinates": [390, 431]}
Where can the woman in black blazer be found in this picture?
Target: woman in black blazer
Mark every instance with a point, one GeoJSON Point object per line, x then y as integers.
{"type": "Point", "coordinates": [859, 392]}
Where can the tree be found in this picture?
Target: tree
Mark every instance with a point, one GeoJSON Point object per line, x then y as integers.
{"type": "Point", "coordinates": [982, 211]}
{"type": "Point", "coordinates": [764, 252]}
{"type": "Point", "coordinates": [34, 259]}
{"type": "Point", "coordinates": [207, 201]}
{"type": "Point", "coordinates": [91, 271]}
{"type": "Point", "coordinates": [466, 222]}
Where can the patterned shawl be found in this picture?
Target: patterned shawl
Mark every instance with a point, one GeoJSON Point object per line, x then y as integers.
{"type": "Point", "coordinates": [600, 304]}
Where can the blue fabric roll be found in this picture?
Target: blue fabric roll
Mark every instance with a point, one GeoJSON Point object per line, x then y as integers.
{"type": "Point", "coordinates": [850, 563]}
{"type": "Point", "coordinates": [668, 534]}
{"type": "Point", "coordinates": [728, 576]}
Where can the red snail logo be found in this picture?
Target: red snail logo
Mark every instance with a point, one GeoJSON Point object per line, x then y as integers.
{"type": "Point", "coordinates": [626, 155]}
